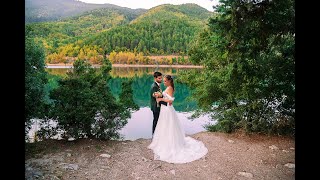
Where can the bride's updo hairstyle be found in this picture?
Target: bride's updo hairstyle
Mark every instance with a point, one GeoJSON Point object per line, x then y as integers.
{"type": "Point", "coordinates": [169, 78]}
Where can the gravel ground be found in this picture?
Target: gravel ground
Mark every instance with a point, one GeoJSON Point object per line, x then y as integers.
{"type": "Point", "coordinates": [230, 156]}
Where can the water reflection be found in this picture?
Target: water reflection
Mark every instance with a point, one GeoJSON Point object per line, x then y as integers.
{"type": "Point", "coordinates": [141, 87]}
{"type": "Point", "coordinates": [140, 123]}
{"type": "Point", "coordinates": [122, 72]}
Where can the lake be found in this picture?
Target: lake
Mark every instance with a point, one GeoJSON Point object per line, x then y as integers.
{"type": "Point", "coordinates": [140, 123]}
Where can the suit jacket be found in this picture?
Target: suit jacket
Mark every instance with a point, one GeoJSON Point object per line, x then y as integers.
{"type": "Point", "coordinates": [153, 103]}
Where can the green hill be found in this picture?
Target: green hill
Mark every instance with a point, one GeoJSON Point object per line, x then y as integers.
{"type": "Point", "coordinates": [52, 10]}
{"type": "Point", "coordinates": [162, 30]}
{"type": "Point", "coordinates": [165, 29]}
{"type": "Point", "coordinates": [188, 11]}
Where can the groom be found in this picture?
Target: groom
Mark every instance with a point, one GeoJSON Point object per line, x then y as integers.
{"type": "Point", "coordinates": [155, 87]}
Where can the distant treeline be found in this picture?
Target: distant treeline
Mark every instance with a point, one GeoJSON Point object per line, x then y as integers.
{"type": "Point", "coordinates": [163, 30]}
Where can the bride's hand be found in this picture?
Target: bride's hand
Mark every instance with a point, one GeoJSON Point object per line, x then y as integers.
{"type": "Point", "coordinates": [159, 99]}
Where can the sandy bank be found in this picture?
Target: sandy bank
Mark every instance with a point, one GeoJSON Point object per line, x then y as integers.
{"type": "Point", "coordinates": [230, 156]}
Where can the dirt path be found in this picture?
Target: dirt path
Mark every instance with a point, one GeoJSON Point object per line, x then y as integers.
{"type": "Point", "coordinates": [230, 157]}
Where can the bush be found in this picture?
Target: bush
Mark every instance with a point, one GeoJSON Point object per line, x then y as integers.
{"type": "Point", "coordinates": [35, 80]}
{"type": "Point", "coordinates": [84, 105]}
{"type": "Point", "coordinates": [249, 57]}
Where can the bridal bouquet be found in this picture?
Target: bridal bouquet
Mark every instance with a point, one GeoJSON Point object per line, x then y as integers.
{"type": "Point", "coordinates": [159, 95]}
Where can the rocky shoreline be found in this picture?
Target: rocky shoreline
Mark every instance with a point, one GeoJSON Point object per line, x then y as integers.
{"type": "Point", "coordinates": [230, 156]}
{"type": "Point", "coordinates": [61, 65]}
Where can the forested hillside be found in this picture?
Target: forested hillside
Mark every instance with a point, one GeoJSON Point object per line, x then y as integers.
{"type": "Point", "coordinates": [162, 30]}
{"type": "Point", "coordinates": [52, 10]}
{"type": "Point", "coordinates": [165, 29]}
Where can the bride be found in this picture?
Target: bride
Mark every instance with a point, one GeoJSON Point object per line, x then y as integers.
{"type": "Point", "coordinates": [169, 142]}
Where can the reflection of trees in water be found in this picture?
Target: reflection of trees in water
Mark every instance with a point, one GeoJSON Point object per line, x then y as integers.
{"type": "Point", "coordinates": [58, 71]}
{"type": "Point", "coordinates": [139, 71]}
{"type": "Point", "coordinates": [124, 71]}
{"type": "Point", "coordinates": [142, 79]}
{"type": "Point", "coordinates": [141, 89]}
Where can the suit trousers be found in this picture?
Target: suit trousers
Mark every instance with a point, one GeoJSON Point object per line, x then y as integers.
{"type": "Point", "coordinates": [155, 120]}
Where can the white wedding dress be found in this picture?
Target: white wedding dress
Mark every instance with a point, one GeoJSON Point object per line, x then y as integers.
{"type": "Point", "coordinates": [169, 142]}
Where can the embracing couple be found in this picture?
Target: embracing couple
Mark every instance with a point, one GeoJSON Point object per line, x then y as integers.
{"type": "Point", "coordinates": [169, 142]}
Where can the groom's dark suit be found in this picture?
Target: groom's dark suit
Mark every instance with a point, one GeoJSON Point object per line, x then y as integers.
{"type": "Point", "coordinates": [153, 105]}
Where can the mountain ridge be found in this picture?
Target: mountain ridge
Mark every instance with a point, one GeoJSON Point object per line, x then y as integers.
{"type": "Point", "coordinates": [53, 10]}
{"type": "Point", "coordinates": [162, 30]}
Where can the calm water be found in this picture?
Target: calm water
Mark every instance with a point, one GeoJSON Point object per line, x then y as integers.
{"type": "Point", "coordinates": [140, 123]}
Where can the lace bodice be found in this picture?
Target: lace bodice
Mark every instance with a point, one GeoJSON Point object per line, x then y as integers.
{"type": "Point", "coordinates": [167, 96]}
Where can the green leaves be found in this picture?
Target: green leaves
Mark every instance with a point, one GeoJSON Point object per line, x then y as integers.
{"type": "Point", "coordinates": [35, 79]}
{"type": "Point", "coordinates": [126, 95]}
{"type": "Point", "coordinates": [248, 55]}
{"type": "Point", "coordinates": [84, 105]}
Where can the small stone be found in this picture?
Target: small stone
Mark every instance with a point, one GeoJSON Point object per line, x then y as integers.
{"type": "Point", "coordinates": [230, 141]}
{"type": "Point", "coordinates": [70, 166]}
{"type": "Point", "coordinates": [38, 173]}
{"type": "Point", "coordinates": [68, 154]}
{"type": "Point", "coordinates": [173, 172]}
{"type": "Point", "coordinates": [290, 165]}
{"type": "Point", "coordinates": [285, 151]}
{"type": "Point", "coordinates": [245, 174]}
{"type": "Point", "coordinates": [54, 177]}
{"type": "Point", "coordinates": [292, 148]}
{"type": "Point", "coordinates": [144, 159]}
{"type": "Point", "coordinates": [105, 155]}
{"type": "Point", "coordinates": [273, 147]}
